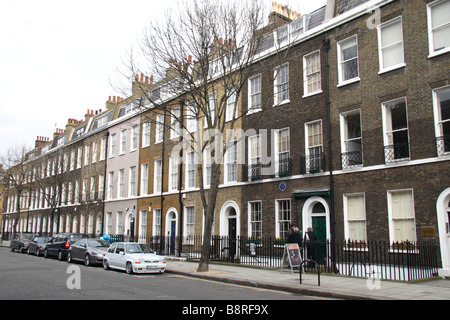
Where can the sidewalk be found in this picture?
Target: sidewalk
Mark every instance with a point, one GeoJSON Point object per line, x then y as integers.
{"type": "Point", "coordinates": [331, 286]}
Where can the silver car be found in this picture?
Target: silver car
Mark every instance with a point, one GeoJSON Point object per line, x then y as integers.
{"type": "Point", "coordinates": [133, 258]}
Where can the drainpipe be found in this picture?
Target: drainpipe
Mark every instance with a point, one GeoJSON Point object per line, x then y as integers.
{"type": "Point", "coordinates": [326, 49]}
{"type": "Point", "coordinates": [162, 178]}
{"type": "Point", "coordinates": [104, 180]}
{"type": "Point", "coordinates": [180, 182]}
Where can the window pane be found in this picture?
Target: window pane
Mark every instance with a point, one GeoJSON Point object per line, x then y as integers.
{"type": "Point", "coordinates": [393, 55]}
{"type": "Point", "coordinates": [441, 38]}
{"type": "Point", "coordinates": [391, 34]}
{"type": "Point", "coordinates": [440, 14]}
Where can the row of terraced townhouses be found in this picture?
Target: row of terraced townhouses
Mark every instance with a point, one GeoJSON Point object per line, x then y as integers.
{"type": "Point", "coordinates": [354, 141]}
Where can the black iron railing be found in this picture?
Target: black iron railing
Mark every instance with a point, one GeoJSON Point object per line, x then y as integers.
{"type": "Point", "coordinates": [443, 145]}
{"type": "Point", "coordinates": [312, 164]}
{"type": "Point", "coordinates": [351, 159]}
{"type": "Point", "coordinates": [397, 152]}
{"type": "Point", "coordinates": [377, 259]}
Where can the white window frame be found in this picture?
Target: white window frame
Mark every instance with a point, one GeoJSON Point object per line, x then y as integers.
{"type": "Point", "coordinates": [231, 162]}
{"type": "Point", "coordinates": [112, 149]}
{"type": "Point", "coordinates": [277, 148]}
{"type": "Point", "coordinates": [144, 179]}
{"type": "Point", "coordinates": [345, 140]}
{"type": "Point", "coordinates": [392, 219]}
{"type": "Point", "coordinates": [121, 184]}
{"type": "Point", "coordinates": [232, 107]}
{"type": "Point", "coordinates": [279, 75]}
{"type": "Point", "coordinates": [308, 147]}
{"type": "Point", "coordinates": [123, 142]}
{"type": "Point", "coordinates": [254, 108]}
{"type": "Point", "coordinates": [380, 27]}
{"type": "Point", "coordinates": [212, 99]}
{"type": "Point", "coordinates": [173, 173]}
{"type": "Point", "coordinates": [389, 132]}
{"type": "Point", "coordinates": [190, 168]}
{"type": "Point", "coordinates": [132, 182]}
{"type": "Point", "coordinates": [158, 176]}
{"type": "Point", "coordinates": [189, 225]}
{"type": "Point", "coordinates": [252, 223]}
{"type": "Point", "coordinates": [278, 221]}
{"type": "Point", "coordinates": [175, 127]}
{"type": "Point", "coordinates": [159, 128]}
{"type": "Point", "coordinates": [362, 218]}
{"type": "Point", "coordinates": [157, 220]}
{"type": "Point", "coordinates": [102, 149]}
{"type": "Point", "coordinates": [146, 127]}
{"type": "Point", "coordinates": [438, 122]}
{"type": "Point", "coordinates": [143, 225]}
{"type": "Point", "coordinates": [341, 62]}
{"type": "Point", "coordinates": [191, 117]}
{"type": "Point", "coordinates": [432, 51]}
{"type": "Point", "coordinates": [207, 162]}
{"type": "Point", "coordinates": [311, 75]}
{"type": "Point", "coordinates": [134, 138]}
{"type": "Point", "coordinates": [110, 185]}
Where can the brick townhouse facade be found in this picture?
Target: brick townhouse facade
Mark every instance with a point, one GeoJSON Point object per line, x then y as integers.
{"type": "Point", "coordinates": [347, 124]}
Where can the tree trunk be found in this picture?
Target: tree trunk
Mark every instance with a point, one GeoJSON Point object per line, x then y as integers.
{"type": "Point", "coordinates": [209, 218]}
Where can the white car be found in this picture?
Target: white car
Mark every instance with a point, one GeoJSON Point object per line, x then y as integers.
{"type": "Point", "coordinates": [133, 258]}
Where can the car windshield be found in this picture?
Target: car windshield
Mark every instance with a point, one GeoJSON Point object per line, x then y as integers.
{"type": "Point", "coordinates": [146, 248]}
{"type": "Point", "coordinates": [98, 243]}
{"type": "Point", "coordinates": [26, 236]}
{"type": "Point", "coordinates": [43, 239]}
{"type": "Point", "coordinates": [75, 237]}
{"type": "Point", "coordinates": [133, 248]}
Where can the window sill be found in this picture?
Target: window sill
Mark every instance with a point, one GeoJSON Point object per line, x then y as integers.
{"type": "Point", "coordinates": [399, 66]}
{"type": "Point", "coordinates": [312, 94]}
{"type": "Point", "coordinates": [281, 103]}
{"type": "Point", "coordinates": [252, 111]}
{"type": "Point", "coordinates": [347, 82]}
{"type": "Point", "coordinates": [438, 53]}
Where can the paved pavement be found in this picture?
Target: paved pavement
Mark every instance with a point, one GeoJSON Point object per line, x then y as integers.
{"type": "Point", "coordinates": [331, 286]}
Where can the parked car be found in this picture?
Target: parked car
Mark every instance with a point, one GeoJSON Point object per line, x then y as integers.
{"type": "Point", "coordinates": [20, 241]}
{"type": "Point", "coordinates": [38, 244]}
{"type": "Point", "coordinates": [130, 256]}
{"type": "Point", "coordinates": [61, 243]}
{"type": "Point", "coordinates": [91, 251]}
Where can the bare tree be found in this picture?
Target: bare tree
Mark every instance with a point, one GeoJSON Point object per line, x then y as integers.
{"type": "Point", "coordinates": [204, 54]}
{"type": "Point", "coordinates": [16, 177]}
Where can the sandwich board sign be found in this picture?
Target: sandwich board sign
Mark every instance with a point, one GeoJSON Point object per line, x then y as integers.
{"type": "Point", "coordinates": [292, 252]}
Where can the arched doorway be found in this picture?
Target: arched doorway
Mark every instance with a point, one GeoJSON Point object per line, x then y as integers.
{"type": "Point", "coordinates": [443, 218]}
{"type": "Point", "coordinates": [171, 229]}
{"type": "Point", "coordinates": [316, 215]}
{"type": "Point", "coordinates": [230, 222]}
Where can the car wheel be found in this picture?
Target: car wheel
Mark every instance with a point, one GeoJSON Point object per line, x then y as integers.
{"type": "Point", "coordinates": [12, 249]}
{"type": "Point", "coordinates": [45, 253]}
{"type": "Point", "coordinates": [87, 260]}
{"type": "Point", "coordinates": [60, 256]}
{"type": "Point", "coordinates": [69, 257]}
{"type": "Point", "coordinates": [105, 264]}
{"type": "Point", "coordinates": [129, 268]}
{"type": "Point", "coordinates": [37, 252]}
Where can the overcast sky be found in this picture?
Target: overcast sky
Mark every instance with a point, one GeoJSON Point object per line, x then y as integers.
{"type": "Point", "coordinates": [59, 58]}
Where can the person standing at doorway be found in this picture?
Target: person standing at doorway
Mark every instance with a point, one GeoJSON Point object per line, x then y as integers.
{"type": "Point", "coordinates": [310, 242]}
